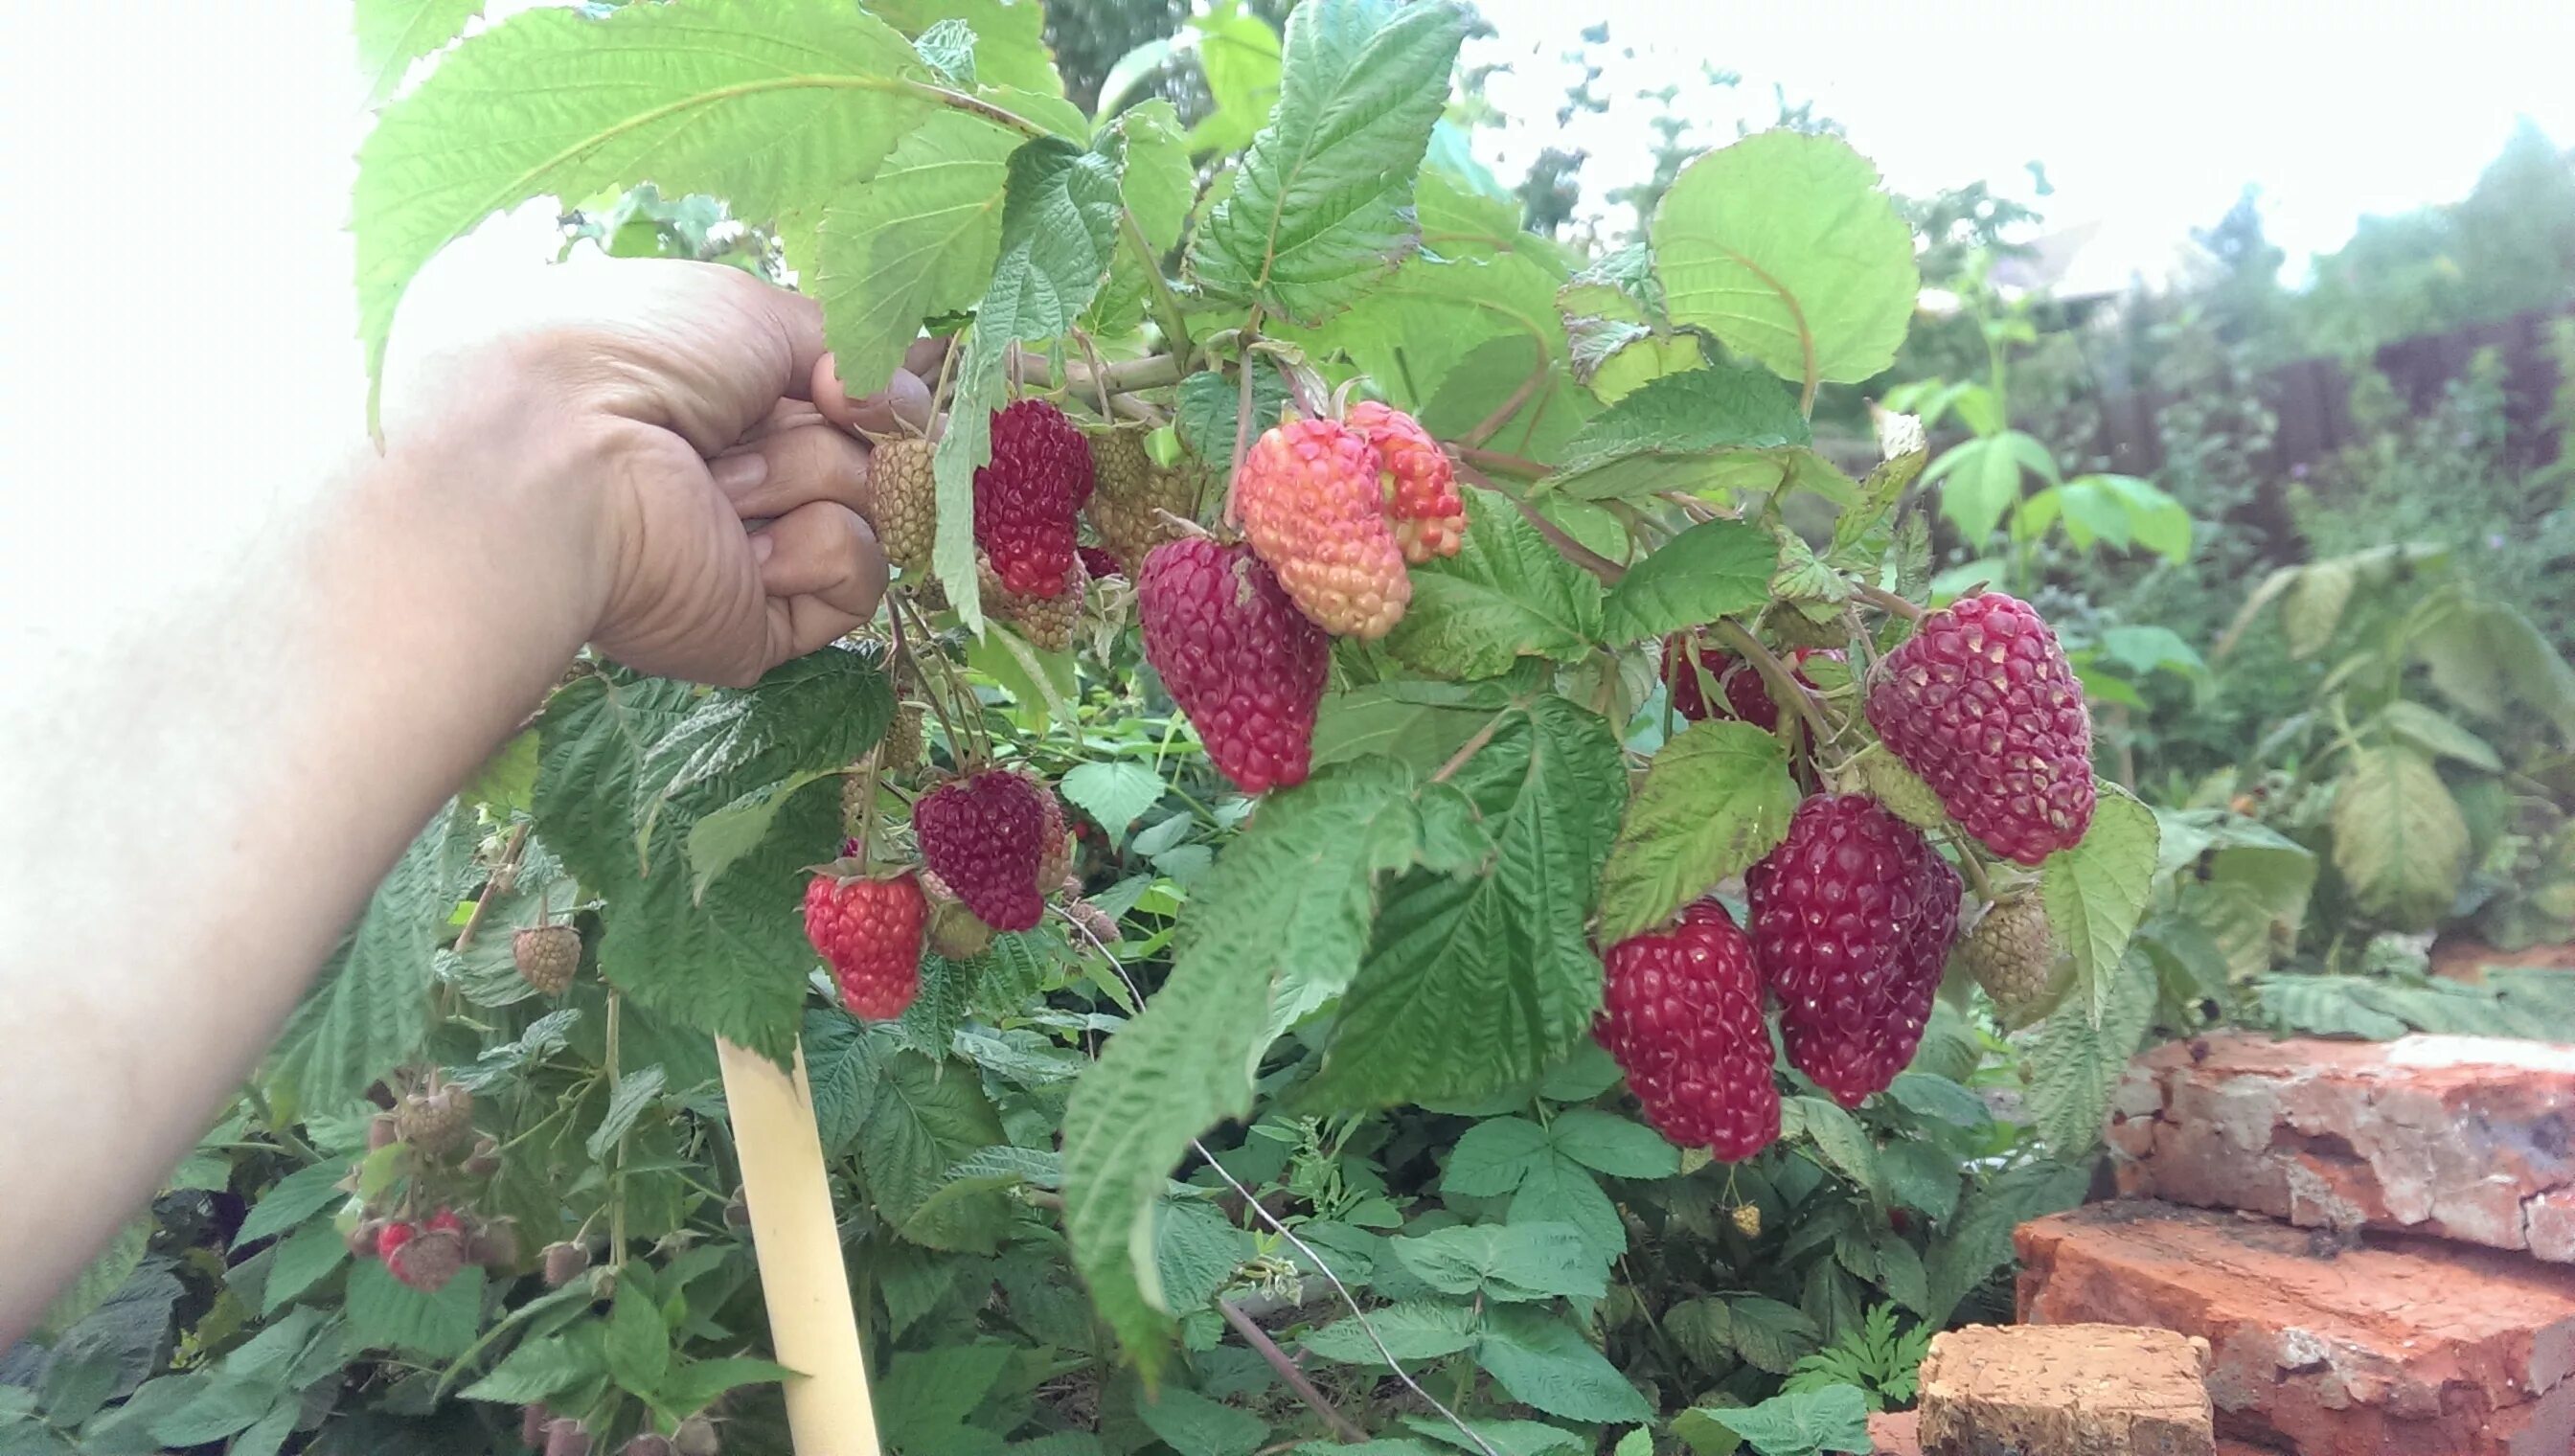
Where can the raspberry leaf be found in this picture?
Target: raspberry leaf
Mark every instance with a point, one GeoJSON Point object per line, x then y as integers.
{"type": "Point", "coordinates": [385, 1314]}
{"type": "Point", "coordinates": [926, 1115]}
{"type": "Point", "coordinates": [1421, 1330]}
{"type": "Point", "coordinates": [2075, 1059]}
{"type": "Point", "coordinates": [1507, 594]}
{"type": "Point", "coordinates": [1322, 202]}
{"type": "Point", "coordinates": [1715, 800]}
{"type": "Point", "coordinates": [1715, 569]}
{"type": "Point", "coordinates": [1784, 247]}
{"type": "Point", "coordinates": [1478, 982]}
{"type": "Point", "coordinates": [1545, 1362]}
{"type": "Point", "coordinates": [1509, 1262]}
{"type": "Point", "coordinates": [2095, 890]}
{"type": "Point", "coordinates": [394, 33]}
{"type": "Point", "coordinates": [918, 241]}
{"type": "Point", "coordinates": [2399, 840]}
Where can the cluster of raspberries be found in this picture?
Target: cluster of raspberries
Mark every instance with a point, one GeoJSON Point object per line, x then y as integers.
{"type": "Point", "coordinates": [1853, 914]}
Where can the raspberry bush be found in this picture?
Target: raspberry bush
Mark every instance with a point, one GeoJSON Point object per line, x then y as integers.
{"type": "Point", "coordinates": [1285, 747]}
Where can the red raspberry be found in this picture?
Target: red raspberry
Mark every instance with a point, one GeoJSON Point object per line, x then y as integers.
{"type": "Point", "coordinates": [1419, 483]}
{"type": "Point", "coordinates": [1981, 704]}
{"type": "Point", "coordinates": [985, 836]}
{"type": "Point", "coordinates": [390, 1238]}
{"type": "Point", "coordinates": [1026, 498]}
{"type": "Point", "coordinates": [1054, 837]}
{"type": "Point", "coordinates": [1313, 507]}
{"type": "Point", "coordinates": [1237, 656]}
{"type": "Point", "coordinates": [1852, 917]}
{"type": "Point", "coordinates": [426, 1258]}
{"type": "Point", "coordinates": [868, 932]}
{"type": "Point", "coordinates": [1683, 1017]}
{"type": "Point", "coordinates": [1747, 696]}
{"type": "Point", "coordinates": [1098, 563]}
{"type": "Point", "coordinates": [446, 1221]}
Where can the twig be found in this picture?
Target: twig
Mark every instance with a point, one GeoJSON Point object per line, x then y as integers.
{"type": "Point", "coordinates": [1242, 412]}
{"type": "Point", "coordinates": [504, 876]}
{"type": "Point", "coordinates": [1267, 1349]}
{"type": "Point", "coordinates": [1166, 303]}
{"type": "Point", "coordinates": [1693, 508]}
{"type": "Point", "coordinates": [1784, 687]}
{"type": "Point", "coordinates": [1491, 424]}
{"type": "Point", "coordinates": [1888, 601]}
{"type": "Point", "coordinates": [1501, 463]}
{"type": "Point", "coordinates": [1303, 1249]}
{"type": "Point", "coordinates": [1473, 746]}
{"type": "Point", "coordinates": [1127, 375]}
{"type": "Point", "coordinates": [1968, 862]}
{"type": "Point", "coordinates": [1571, 550]}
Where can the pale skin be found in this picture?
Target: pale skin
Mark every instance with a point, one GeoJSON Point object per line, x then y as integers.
{"type": "Point", "coordinates": [653, 458]}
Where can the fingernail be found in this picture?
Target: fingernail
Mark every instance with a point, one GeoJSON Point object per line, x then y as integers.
{"type": "Point", "coordinates": [763, 546]}
{"type": "Point", "coordinates": [738, 472]}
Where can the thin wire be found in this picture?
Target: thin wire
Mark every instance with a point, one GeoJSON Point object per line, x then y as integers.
{"type": "Point", "coordinates": [1303, 1248]}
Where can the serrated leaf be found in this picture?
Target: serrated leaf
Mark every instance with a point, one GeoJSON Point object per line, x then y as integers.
{"type": "Point", "coordinates": [1834, 1418]}
{"type": "Point", "coordinates": [1009, 37]}
{"type": "Point", "coordinates": [1493, 1156]}
{"type": "Point", "coordinates": [369, 1011]}
{"type": "Point", "coordinates": [385, 1314]}
{"type": "Point", "coordinates": [1693, 413]}
{"type": "Point", "coordinates": [294, 1198]}
{"type": "Point", "coordinates": [773, 104]}
{"type": "Point", "coordinates": [1417, 722]}
{"type": "Point", "coordinates": [925, 1117]}
{"type": "Point", "coordinates": [635, 1092]}
{"type": "Point", "coordinates": [1715, 569]}
{"type": "Point", "coordinates": [1521, 1438]}
{"type": "Point", "coordinates": [2095, 890]}
{"type": "Point", "coordinates": [1513, 1262]}
{"type": "Point", "coordinates": [1239, 51]}
{"type": "Point", "coordinates": [1157, 184]}
{"type": "Point", "coordinates": [637, 1343]}
{"type": "Point", "coordinates": [1323, 201]}
{"type": "Point", "coordinates": [538, 1368]}
{"type": "Point", "coordinates": [1193, 1425]}
{"type": "Point", "coordinates": [920, 239]}
{"type": "Point", "coordinates": [1561, 1190]}
{"type": "Point", "coordinates": [1704, 1329]}
{"type": "Point", "coordinates": [1879, 494]}
{"type": "Point", "coordinates": [1609, 1143]}
{"type": "Point", "coordinates": [2075, 1059]}
{"type": "Point", "coordinates": [1507, 594]}
{"type": "Point", "coordinates": [1478, 983]}
{"type": "Point", "coordinates": [1210, 406]}
{"type": "Point", "coordinates": [1784, 247]}
{"type": "Point", "coordinates": [1543, 1361]}
{"type": "Point", "coordinates": [1716, 799]}
{"type": "Point", "coordinates": [1979, 1239]}
{"type": "Point", "coordinates": [2399, 840]}
{"type": "Point", "coordinates": [1770, 1335]}
{"type": "Point", "coordinates": [813, 714]}
{"type": "Point", "coordinates": [1280, 919]}
{"type": "Point", "coordinates": [927, 1395]}
{"type": "Point", "coordinates": [696, 1385]}
{"type": "Point", "coordinates": [394, 33]}
{"type": "Point", "coordinates": [2490, 660]}
{"type": "Point", "coordinates": [1417, 1330]}
{"type": "Point", "coordinates": [1843, 1143]}
{"type": "Point", "coordinates": [1922, 1176]}
{"type": "Point", "coordinates": [1113, 791]}
{"type": "Point", "coordinates": [2438, 735]}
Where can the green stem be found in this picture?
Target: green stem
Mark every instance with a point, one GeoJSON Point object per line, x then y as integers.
{"type": "Point", "coordinates": [617, 1175]}
{"type": "Point", "coordinates": [1166, 303]}
{"type": "Point", "coordinates": [1784, 687]}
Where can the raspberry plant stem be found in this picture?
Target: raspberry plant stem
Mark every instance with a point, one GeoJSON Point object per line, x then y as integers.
{"type": "Point", "coordinates": [504, 875]}
{"type": "Point", "coordinates": [1167, 313]}
{"type": "Point", "coordinates": [1474, 745]}
{"type": "Point", "coordinates": [1500, 462]}
{"type": "Point", "coordinates": [1242, 413]}
{"type": "Point", "coordinates": [1267, 1349]}
{"type": "Point", "coordinates": [1571, 550]}
{"type": "Point", "coordinates": [1784, 687]}
{"type": "Point", "coordinates": [1491, 424]}
{"type": "Point", "coordinates": [1888, 601]}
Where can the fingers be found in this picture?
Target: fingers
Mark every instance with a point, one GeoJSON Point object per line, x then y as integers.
{"type": "Point", "coordinates": [782, 469]}
{"type": "Point", "coordinates": [823, 573]}
{"type": "Point", "coordinates": [904, 402]}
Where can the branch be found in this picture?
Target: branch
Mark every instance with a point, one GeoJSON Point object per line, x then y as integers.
{"type": "Point", "coordinates": [1784, 687]}
{"type": "Point", "coordinates": [1486, 427]}
{"type": "Point", "coordinates": [1166, 303]}
{"type": "Point", "coordinates": [1267, 1349]}
{"type": "Point", "coordinates": [1501, 464]}
{"type": "Point", "coordinates": [504, 876]}
{"type": "Point", "coordinates": [1888, 601]}
{"type": "Point", "coordinates": [974, 106]}
{"type": "Point", "coordinates": [1571, 550]}
{"type": "Point", "coordinates": [1126, 377]}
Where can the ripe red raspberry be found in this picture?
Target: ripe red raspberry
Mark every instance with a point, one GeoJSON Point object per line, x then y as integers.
{"type": "Point", "coordinates": [1313, 507]}
{"type": "Point", "coordinates": [985, 836]}
{"type": "Point", "coordinates": [1419, 483]}
{"type": "Point", "coordinates": [1026, 498]}
{"type": "Point", "coordinates": [1238, 658]}
{"type": "Point", "coordinates": [1852, 917]}
{"type": "Point", "coordinates": [869, 933]}
{"type": "Point", "coordinates": [392, 1236]}
{"type": "Point", "coordinates": [1682, 1019]}
{"type": "Point", "coordinates": [1979, 701]}
{"type": "Point", "coordinates": [1098, 563]}
{"type": "Point", "coordinates": [1747, 696]}
{"type": "Point", "coordinates": [426, 1259]}
{"type": "Point", "coordinates": [1049, 622]}
{"type": "Point", "coordinates": [1054, 837]}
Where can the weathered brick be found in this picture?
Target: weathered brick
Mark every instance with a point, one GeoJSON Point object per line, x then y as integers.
{"type": "Point", "coordinates": [2460, 1137]}
{"type": "Point", "coordinates": [1892, 1433]}
{"type": "Point", "coordinates": [2082, 1389]}
{"type": "Point", "coordinates": [2404, 1347]}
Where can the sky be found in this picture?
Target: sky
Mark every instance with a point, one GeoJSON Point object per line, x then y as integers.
{"type": "Point", "coordinates": [2149, 119]}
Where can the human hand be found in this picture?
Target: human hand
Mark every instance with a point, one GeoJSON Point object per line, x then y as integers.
{"type": "Point", "coordinates": [676, 435]}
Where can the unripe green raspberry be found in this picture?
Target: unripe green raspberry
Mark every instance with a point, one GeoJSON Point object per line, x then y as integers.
{"type": "Point", "coordinates": [1130, 494]}
{"type": "Point", "coordinates": [2013, 956]}
{"type": "Point", "coordinates": [907, 501]}
{"type": "Point", "coordinates": [1906, 796]}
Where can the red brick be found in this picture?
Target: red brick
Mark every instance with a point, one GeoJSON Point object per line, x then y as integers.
{"type": "Point", "coordinates": [2413, 1348]}
{"type": "Point", "coordinates": [2100, 1389]}
{"type": "Point", "coordinates": [2460, 1137]}
{"type": "Point", "coordinates": [1892, 1433]}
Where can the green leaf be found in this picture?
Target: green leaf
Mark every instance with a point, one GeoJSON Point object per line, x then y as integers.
{"type": "Point", "coordinates": [1323, 201]}
{"type": "Point", "coordinates": [2095, 890]}
{"type": "Point", "coordinates": [1704, 1330]}
{"type": "Point", "coordinates": [810, 714]}
{"type": "Point", "coordinates": [2399, 840]}
{"type": "Point", "coordinates": [635, 1092]}
{"type": "Point", "coordinates": [1159, 185]}
{"type": "Point", "coordinates": [1521, 1438]}
{"type": "Point", "coordinates": [1513, 1262]}
{"type": "Point", "coordinates": [1543, 1361]}
{"type": "Point", "coordinates": [394, 33]}
{"type": "Point", "coordinates": [1834, 1418]}
{"type": "Point", "coordinates": [2075, 1060]}
{"type": "Point", "coordinates": [696, 1385]}
{"type": "Point", "coordinates": [538, 1368]}
{"type": "Point", "coordinates": [2314, 605]}
{"type": "Point", "coordinates": [1983, 478]}
{"type": "Point", "coordinates": [1477, 982]}
{"type": "Point", "coordinates": [102, 1280]}
{"type": "Point", "coordinates": [294, 1198]}
{"type": "Point", "coordinates": [1493, 1156]}
{"type": "Point", "coordinates": [1239, 51]}
{"type": "Point", "coordinates": [925, 1116]}
{"type": "Point", "coordinates": [1927, 1096]}
{"type": "Point", "coordinates": [948, 48]}
{"type": "Point", "coordinates": [1279, 922]}
{"type": "Point", "coordinates": [1505, 595]}
{"type": "Point", "coordinates": [385, 1314]}
{"type": "Point", "coordinates": [303, 1259]}
{"type": "Point", "coordinates": [2438, 735]}
{"type": "Point", "coordinates": [369, 1011]}
{"type": "Point", "coordinates": [1979, 1239]}
{"type": "Point", "coordinates": [1417, 722]}
{"type": "Point", "coordinates": [1414, 1330]}
{"type": "Point", "coordinates": [1784, 247]}
{"type": "Point", "coordinates": [772, 104]}
{"type": "Point", "coordinates": [638, 1345]}
{"type": "Point", "coordinates": [2489, 659]}
{"type": "Point", "coordinates": [1193, 1425]}
{"type": "Point", "coordinates": [1009, 38]}
{"type": "Point", "coordinates": [1561, 1190]}
{"type": "Point", "coordinates": [1113, 791]}
{"type": "Point", "coordinates": [927, 1395]}
{"type": "Point", "coordinates": [1770, 1335]}
{"type": "Point", "coordinates": [1210, 406]}
{"type": "Point", "coordinates": [1923, 1176]}
{"type": "Point", "coordinates": [1715, 569]}
{"type": "Point", "coordinates": [917, 239]}
{"type": "Point", "coordinates": [1838, 1137]}
{"type": "Point", "coordinates": [1609, 1143]}
{"type": "Point", "coordinates": [1691, 414]}
{"type": "Point", "coordinates": [1716, 799]}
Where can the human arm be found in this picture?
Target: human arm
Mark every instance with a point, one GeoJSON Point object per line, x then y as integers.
{"type": "Point", "coordinates": [633, 461]}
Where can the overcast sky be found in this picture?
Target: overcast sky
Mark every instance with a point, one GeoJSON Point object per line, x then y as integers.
{"type": "Point", "coordinates": [2148, 117]}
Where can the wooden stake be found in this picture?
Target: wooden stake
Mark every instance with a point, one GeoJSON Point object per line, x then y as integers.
{"type": "Point", "coordinates": [812, 1326]}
